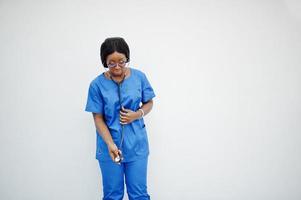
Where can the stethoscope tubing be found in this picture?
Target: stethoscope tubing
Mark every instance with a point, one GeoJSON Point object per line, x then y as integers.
{"type": "Point", "coordinates": [122, 125]}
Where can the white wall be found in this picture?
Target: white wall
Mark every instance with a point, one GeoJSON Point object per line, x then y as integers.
{"type": "Point", "coordinates": [225, 122]}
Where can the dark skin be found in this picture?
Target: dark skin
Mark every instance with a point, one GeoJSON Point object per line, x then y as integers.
{"type": "Point", "coordinates": [126, 115]}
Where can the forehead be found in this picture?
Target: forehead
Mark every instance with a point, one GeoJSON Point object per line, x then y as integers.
{"type": "Point", "coordinates": [115, 56]}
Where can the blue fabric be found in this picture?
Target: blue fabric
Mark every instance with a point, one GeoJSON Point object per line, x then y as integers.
{"type": "Point", "coordinates": [135, 175]}
{"type": "Point", "coordinates": [103, 99]}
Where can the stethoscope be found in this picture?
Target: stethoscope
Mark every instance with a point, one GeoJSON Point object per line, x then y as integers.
{"type": "Point", "coordinates": [119, 158]}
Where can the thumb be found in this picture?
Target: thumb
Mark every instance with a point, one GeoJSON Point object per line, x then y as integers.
{"type": "Point", "coordinates": [116, 152]}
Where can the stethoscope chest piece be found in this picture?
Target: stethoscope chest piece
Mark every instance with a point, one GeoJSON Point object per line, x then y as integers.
{"type": "Point", "coordinates": [119, 158]}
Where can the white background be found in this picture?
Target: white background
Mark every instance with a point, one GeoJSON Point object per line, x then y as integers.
{"type": "Point", "coordinates": [226, 120]}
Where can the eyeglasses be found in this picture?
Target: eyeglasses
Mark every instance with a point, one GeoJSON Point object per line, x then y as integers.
{"type": "Point", "coordinates": [122, 63]}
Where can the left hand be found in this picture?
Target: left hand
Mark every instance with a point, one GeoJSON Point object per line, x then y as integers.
{"type": "Point", "coordinates": [127, 116]}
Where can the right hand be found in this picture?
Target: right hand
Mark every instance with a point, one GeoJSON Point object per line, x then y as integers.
{"type": "Point", "coordinates": [113, 151]}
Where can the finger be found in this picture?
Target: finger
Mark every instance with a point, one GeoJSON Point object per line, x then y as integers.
{"type": "Point", "coordinates": [126, 110]}
{"type": "Point", "coordinates": [123, 109]}
{"type": "Point", "coordinates": [125, 119]}
{"type": "Point", "coordinates": [124, 122]}
{"type": "Point", "coordinates": [123, 113]}
{"type": "Point", "coordinates": [122, 116]}
{"type": "Point", "coordinates": [120, 155]}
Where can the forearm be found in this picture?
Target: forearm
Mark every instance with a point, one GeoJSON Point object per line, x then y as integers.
{"type": "Point", "coordinates": [147, 107]}
{"type": "Point", "coordinates": [102, 129]}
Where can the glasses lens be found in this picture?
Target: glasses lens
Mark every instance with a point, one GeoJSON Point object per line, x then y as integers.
{"type": "Point", "coordinates": [121, 64]}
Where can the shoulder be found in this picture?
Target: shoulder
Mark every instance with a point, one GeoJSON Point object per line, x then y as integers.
{"type": "Point", "coordinates": [137, 72]}
{"type": "Point", "coordinates": [97, 81]}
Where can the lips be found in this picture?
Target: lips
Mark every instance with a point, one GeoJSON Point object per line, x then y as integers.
{"type": "Point", "coordinates": [118, 71]}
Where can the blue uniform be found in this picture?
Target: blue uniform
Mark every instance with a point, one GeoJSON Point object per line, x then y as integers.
{"type": "Point", "coordinates": [103, 99]}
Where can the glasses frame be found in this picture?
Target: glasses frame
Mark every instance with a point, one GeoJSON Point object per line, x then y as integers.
{"type": "Point", "coordinates": [112, 65]}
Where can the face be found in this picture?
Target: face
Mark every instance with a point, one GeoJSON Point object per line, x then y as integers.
{"type": "Point", "coordinates": [116, 58]}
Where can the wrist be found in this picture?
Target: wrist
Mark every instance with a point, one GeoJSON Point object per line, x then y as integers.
{"type": "Point", "coordinates": [141, 112]}
{"type": "Point", "coordinates": [110, 143]}
{"type": "Point", "coordinates": [138, 114]}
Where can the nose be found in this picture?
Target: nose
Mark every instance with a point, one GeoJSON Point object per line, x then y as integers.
{"type": "Point", "coordinates": [117, 66]}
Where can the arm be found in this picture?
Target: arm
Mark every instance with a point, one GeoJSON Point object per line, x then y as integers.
{"type": "Point", "coordinates": [127, 115]}
{"type": "Point", "coordinates": [105, 134]}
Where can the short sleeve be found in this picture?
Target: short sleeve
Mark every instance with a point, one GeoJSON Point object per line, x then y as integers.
{"type": "Point", "coordinates": [94, 101]}
{"type": "Point", "coordinates": [147, 90]}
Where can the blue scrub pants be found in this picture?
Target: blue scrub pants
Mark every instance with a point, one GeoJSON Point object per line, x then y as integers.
{"type": "Point", "coordinates": [135, 175]}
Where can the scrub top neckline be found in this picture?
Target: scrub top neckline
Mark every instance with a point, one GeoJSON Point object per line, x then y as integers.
{"type": "Point", "coordinates": [130, 69]}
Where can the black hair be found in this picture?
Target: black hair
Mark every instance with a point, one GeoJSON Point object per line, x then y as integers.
{"type": "Point", "coordinates": [112, 44]}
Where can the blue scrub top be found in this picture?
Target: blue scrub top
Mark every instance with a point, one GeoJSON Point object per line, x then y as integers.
{"type": "Point", "coordinates": [103, 99]}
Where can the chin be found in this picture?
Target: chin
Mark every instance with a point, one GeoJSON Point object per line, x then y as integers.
{"type": "Point", "coordinates": [117, 72]}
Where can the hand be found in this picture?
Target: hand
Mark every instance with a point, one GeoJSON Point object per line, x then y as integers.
{"type": "Point", "coordinates": [113, 151]}
{"type": "Point", "coordinates": [127, 115]}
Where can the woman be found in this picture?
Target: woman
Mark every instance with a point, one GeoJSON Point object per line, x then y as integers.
{"type": "Point", "coordinates": [118, 99]}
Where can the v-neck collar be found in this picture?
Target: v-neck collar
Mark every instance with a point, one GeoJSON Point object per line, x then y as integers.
{"type": "Point", "coordinates": [130, 69]}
